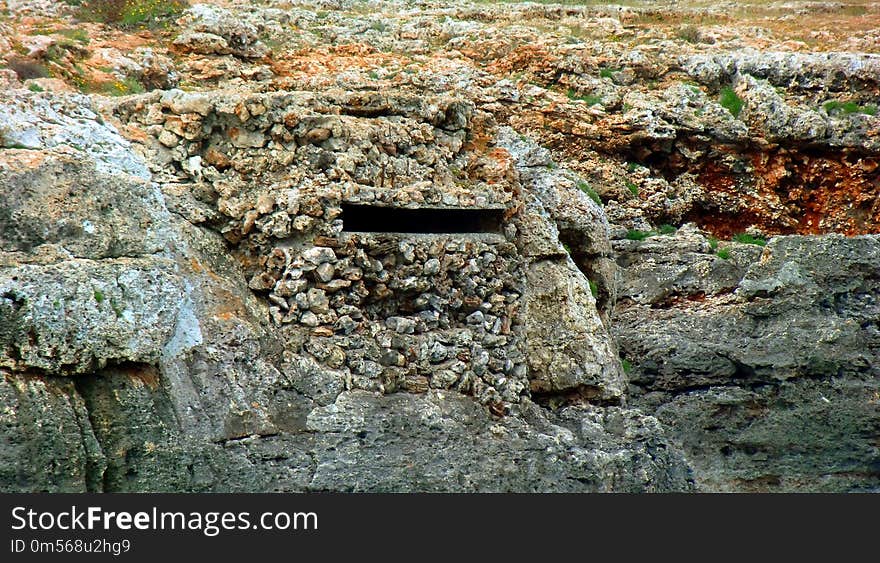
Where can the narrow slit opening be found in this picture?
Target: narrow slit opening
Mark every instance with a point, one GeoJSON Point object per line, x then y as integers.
{"type": "Point", "coordinates": [377, 219]}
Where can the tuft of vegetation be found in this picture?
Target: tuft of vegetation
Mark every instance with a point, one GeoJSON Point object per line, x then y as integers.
{"type": "Point", "coordinates": [635, 234]}
{"type": "Point", "coordinates": [594, 289]}
{"type": "Point", "coordinates": [58, 52]}
{"type": "Point", "coordinates": [590, 100]}
{"type": "Point", "coordinates": [633, 188]}
{"type": "Point", "coordinates": [27, 69]}
{"type": "Point", "coordinates": [626, 365]}
{"type": "Point", "coordinates": [748, 239]}
{"type": "Point", "coordinates": [662, 230]}
{"type": "Point", "coordinates": [835, 106]}
{"type": "Point", "coordinates": [713, 243]}
{"type": "Point", "coordinates": [35, 87]}
{"type": "Point", "coordinates": [608, 72]}
{"type": "Point", "coordinates": [730, 101]}
{"type": "Point", "coordinates": [128, 85]}
{"type": "Point", "coordinates": [723, 253]}
{"type": "Point", "coordinates": [99, 296]}
{"type": "Point", "coordinates": [131, 13]}
{"type": "Point", "coordinates": [689, 33]}
{"type": "Point", "coordinates": [75, 34]}
{"type": "Point", "coordinates": [588, 189]}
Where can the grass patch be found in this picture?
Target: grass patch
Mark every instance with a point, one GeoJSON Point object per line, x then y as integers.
{"type": "Point", "coordinates": [78, 35]}
{"type": "Point", "coordinates": [662, 230]}
{"type": "Point", "coordinates": [724, 253]}
{"type": "Point", "coordinates": [594, 289]}
{"type": "Point", "coordinates": [35, 88]}
{"type": "Point", "coordinates": [626, 365]}
{"type": "Point", "coordinates": [749, 239]}
{"type": "Point", "coordinates": [633, 188]}
{"type": "Point", "coordinates": [27, 69]}
{"type": "Point", "coordinates": [730, 101]}
{"type": "Point", "coordinates": [131, 13]}
{"type": "Point", "coordinates": [40, 30]}
{"type": "Point", "coordinates": [123, 87]}
{"type": "Point", "coordinates": [689, 33]}
{"type": "Point", "coordinates": [835, 106]}
{"type": "Point", "coordinates": [713, 243]}
{"type": "Point", "coordinates": [99, 296]}
{"type": "Point", "coordinates": [608, 72]}
{"type": "Point", "coordinates": [590, 100]}
{"type": "Point", "coordinates": [588, 189]}
{"type": "Point", "coordinates": [635, 234]}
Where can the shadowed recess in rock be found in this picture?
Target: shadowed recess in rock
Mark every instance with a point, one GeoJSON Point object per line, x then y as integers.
{"type": "Point", "coordinates": [374, 219]}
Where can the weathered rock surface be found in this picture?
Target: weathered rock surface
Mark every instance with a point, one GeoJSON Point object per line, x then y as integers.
{"type": "Point", "coordinates": [167, 372]}
{"type": "Point", "coordinates": [75, 316]}
{"type": "Point", "coordinates": [44, 122]}
{"type": "Point", "coordinates": [185, 304]}
{"type": "Point", "coordinates": [61, 200]}
{"type": "Point", "coordinates": [48, 441]}
{"type": "Point", "coordinates": [211, 30]}
{"type": "Point", "coordinates": [121, 429]}
{"type": "Point", "coordinates": [763, 365]}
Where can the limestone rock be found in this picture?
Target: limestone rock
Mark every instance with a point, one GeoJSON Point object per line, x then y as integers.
{"type": "Point", "coordinates": [76, 316]}
{"type": "Point", "coordinates": [47, 442]}
{"type": "Point", "coordinates": [42, 121]}
{"type": "Point", "coordinates": [186, 304]}
{"type": "Point", "coordinates": [766, 111]}
{"type": "Point", "coordinates": [567, 347]}
{"type": "Point", "coordinates": [214, 30]}
{"type": "Point", "coordinates": [797, 328]}
{"type": "Point", "coordinates": [59, 198]}
{"type": "Point", "coordinates": [571, 443]}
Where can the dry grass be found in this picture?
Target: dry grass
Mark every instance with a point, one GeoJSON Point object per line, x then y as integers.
{"type": "Point", "coordinates": [131, 12]}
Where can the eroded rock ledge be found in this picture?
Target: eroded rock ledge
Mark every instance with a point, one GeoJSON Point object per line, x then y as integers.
{"type": "Point", "coordinates": [214, 285]}
{"type": "Point", "coordinates": [179, 356]}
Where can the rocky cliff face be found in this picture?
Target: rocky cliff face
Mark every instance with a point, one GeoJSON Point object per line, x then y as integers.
{"type": "Point", "coordinates": [433, 247]}
{"type": "Point", "coordinates": [763, 366]}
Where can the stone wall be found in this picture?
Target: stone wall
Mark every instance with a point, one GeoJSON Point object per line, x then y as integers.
{"type": "Point", "coordinates": [386, 311]}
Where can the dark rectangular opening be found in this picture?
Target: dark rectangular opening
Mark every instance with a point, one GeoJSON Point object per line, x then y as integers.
{"type": "Point", "coordinates": [376, 219]}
